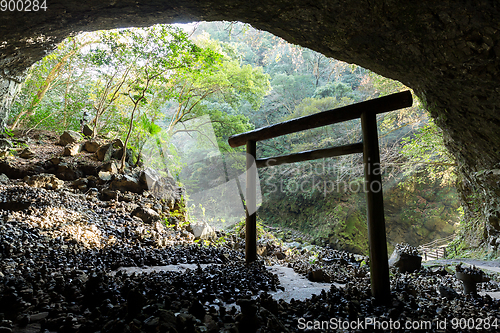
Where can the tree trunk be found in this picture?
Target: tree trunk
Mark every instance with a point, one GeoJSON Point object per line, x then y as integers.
{"type": "Point", "coordinates": [9, 87]}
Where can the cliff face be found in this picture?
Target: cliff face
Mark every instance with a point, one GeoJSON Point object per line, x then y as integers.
{"type": "Point", "coordinates": [447, 51]}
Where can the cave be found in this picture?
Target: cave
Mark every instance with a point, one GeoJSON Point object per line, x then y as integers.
{"type": "Point", "coordinates": [448, 52]}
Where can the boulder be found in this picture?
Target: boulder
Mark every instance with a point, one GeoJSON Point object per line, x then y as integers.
{"type": "Point", "coordinates": [91, 146]}
{"type": "Point", "coordinates": [66, 171]}
{"type": "Point", "coordinates": [117, 154]}
{"type": "Point", "coordinates": [10, 168]}
{"type": "Point", "coordinates": [104, 152]}
{"type": "Point", "coordinates": [406, 263]}
{"type": "Point", "coordinates": [117, 144]}
{"type": "Point", "coordinates": [149, 177]}
{"type": "Point", "coordinates": [69, 137]}
{"type": "Point", "coordinates": [44, 180]}
{"type": "Point", "coordinates": [280, 255]}
{"type": "Point", "coordinates": [161, 187]}
{"type": "Point", "coordinates": [447, 292]}
{"type": "Point", "coordinates": [317, 275]}
{"type": "Point", "coordinates": [81, 184]}
{"type": "Point", "coordinates": [87, 131]}
{"type": "Point", "coordinates": [147, 215]}
{"type": "Point", "coordinates": [126, 183]}
{"type": "Point", "coordinates": [201, 230]}
{"type": "Point", "coordinates": [92, 181]}
{"type": "Point", "coordinates": [86, 168]}
{"type": "Point", "coordinates": [72, 149]}
{"type": "Point", "coordinates": [105, 175]}
{"type": "Point", "coordinates": [107, 194]}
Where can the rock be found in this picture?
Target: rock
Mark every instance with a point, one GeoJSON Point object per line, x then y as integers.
{"type": "Point", "coordinates": [81, 184]}
{"type": "Point", "coordinates": [107, 194]}
{"type": "Point", "coordinates": [149, 177]}
{"type": "Point", "coordinates": [105, 175]}
{"type": "Point", "coordinates": [6, 144]}
{"type": "Point", "coordinates": [447, 292]}
{"type": "Point", "coordinates": [201, 230]}
{"type": "Point", "coordinates": [91, 146]}
{"type": "Point", "coordinates": [69, 137]}
{"type": "Point", "coordinates": [92, 181]}
{"type": "Point", "coordinates": [4, 179]}
{"type": "Point", "coordinates": [72, 149]}
{"type": "Point", "coordinates": [46, 181]}
{"type": "Point", "coordinates": [248, 321]}
{"type": "Point", "coordinates": [147, 215]}
{"type": "Point", "coordinates": [109, 167]}
{"type": "Point", "coordinates": [23, 319]}
{"type": "Point", "coordinates": [55, 160]}
{"type": "Point", "coordinates": [38, 316]}
{"type": "Point", "coordinates": [126, 183]}
{"type": "Point", "coordinates": [11, 169]}
{"type": "Point", "coordinates": [66, 171]}
{"type": "Point", "coordinates": [117, 144]}
{"type": "Point", "coordinates": [280, 255]}
{"type": "Point", "coordinates": [167, 317]}
{"type": "Point", "coordinates": [87, 131]}
{"type": "Point", "coordinates": [161, 187]}
{"type": "Point", "coordinates": [135, 301]}
{"type": "Point", "coordinates": [104, 152]}
{"type": "Point", "coordinates": [262, 251]}
{"type": "Point", "coordinates": [317, 275]}
{"type": "Point", "coordinates": [151, 323]}
{"type": "Point", "coordinates": [27, 153]}
{"type": "Point", "coordinates": [84, 168]}
{"type": "Point", "coordinates": [197, 310]}
{"type": "Point", "coordinates": [117, 154]}
{"type": "Point", "coordinates": [405, 262]}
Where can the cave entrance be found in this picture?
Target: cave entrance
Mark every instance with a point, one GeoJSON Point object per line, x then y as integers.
{"type": "Point", "coordinates": [367, 111]}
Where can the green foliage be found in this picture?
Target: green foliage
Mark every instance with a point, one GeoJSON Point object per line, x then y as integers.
{"type": "Point", "coordinates": [385, 86]}
{"type": "Point", "coordinates": [334, 89]}
{"type": "Point", "coordinates": [426, 152]}
{"type": "Point", "coordinates": [53, 87]}
{"type": "Point", "coordinates": [239, 228]}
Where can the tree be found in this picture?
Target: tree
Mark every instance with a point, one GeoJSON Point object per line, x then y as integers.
{"type": "Point", "coordinates": [334, 89]}
{"type": "Point", "coordinates": [426, 152]}
{"type": "Point", "coordinates": [151, 57]}
{"type": "Point", "coordinates": [55, 69]}
{"type": "Point", "coordinates": [218, 92]}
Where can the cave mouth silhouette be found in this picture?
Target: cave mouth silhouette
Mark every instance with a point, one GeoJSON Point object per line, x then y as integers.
{"type": "Point", "coordinates": [448, 53]}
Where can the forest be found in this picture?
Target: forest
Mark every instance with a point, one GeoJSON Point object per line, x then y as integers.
{"type": "Point", "coordinates": [187, 89]}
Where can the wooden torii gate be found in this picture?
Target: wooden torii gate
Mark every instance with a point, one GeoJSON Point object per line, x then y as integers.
{"type": "Point", "coordinates": [367, 111]}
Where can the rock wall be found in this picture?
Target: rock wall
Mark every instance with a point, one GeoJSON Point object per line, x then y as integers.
{"type": "Point", "coordinates": [447, 51]}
